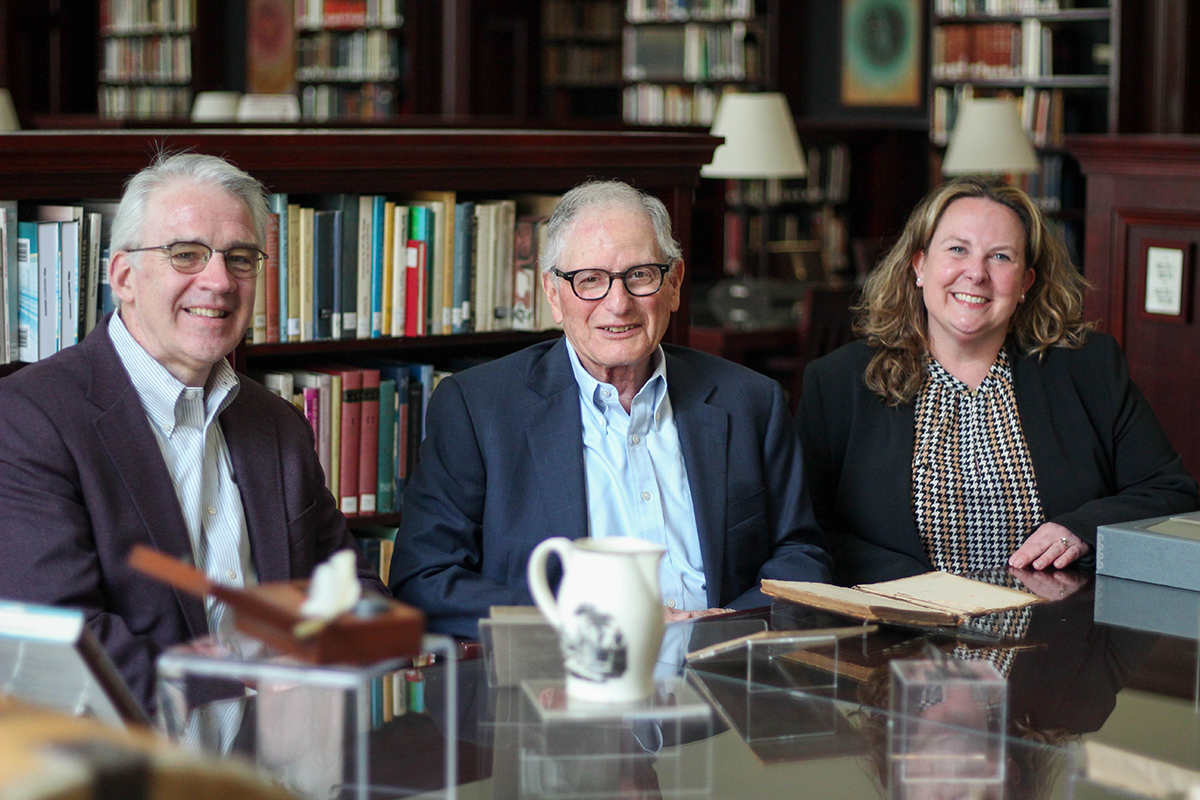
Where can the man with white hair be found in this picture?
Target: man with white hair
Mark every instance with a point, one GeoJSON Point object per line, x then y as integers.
{"type": "Point", "coordinates": [606, 432]}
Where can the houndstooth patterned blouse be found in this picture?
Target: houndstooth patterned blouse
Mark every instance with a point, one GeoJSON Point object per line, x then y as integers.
{"type": "Point", "coordinates": [975, 496]}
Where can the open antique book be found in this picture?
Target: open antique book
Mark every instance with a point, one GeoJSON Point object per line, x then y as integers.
{"type": "Point", "coordinates": [935, 598]}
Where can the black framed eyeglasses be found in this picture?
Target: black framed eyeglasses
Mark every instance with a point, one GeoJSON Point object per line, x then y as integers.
{"type": "Point", "coordinates": [594, 284]}
{"type": "Point", "coordinates": [192, 257]}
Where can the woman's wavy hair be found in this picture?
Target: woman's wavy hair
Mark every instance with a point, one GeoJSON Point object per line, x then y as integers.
{"type": "Point", "coordinates": [891, 314]}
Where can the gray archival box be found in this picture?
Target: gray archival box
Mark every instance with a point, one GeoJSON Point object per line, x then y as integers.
{"type": "Point", "coordinates": [1162, 550]}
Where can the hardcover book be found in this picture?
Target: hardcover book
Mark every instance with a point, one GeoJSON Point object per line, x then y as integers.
{"type": "Point", "coordinates": [934, 598]}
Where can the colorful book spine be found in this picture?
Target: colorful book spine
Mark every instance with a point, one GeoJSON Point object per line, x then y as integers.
{"type": "Point", "coordinates": [28, 276]}
{"type": "Point", "coordinates": [368, 465]}
{"type": "Point", "coordinates": [385, 470]}
{"type": "Point", "coordinates": [279, 207]}
{"type": "Point", "coordinates": [378, 229]}
{"type": "Point", "coordinates": [271, 269]}
{"type": "Point", "coordinates": [464, 233]}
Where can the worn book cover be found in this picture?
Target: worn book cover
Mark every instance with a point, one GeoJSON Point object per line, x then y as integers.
{"type": "Point", "coordinates": [934, 598]}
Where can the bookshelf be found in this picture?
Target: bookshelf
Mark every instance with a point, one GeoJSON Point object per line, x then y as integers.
{"type": "Point", "coordinates": [679, 56]}
{"type": "Point", "coordinates": [581, 57]}
{"type": "Point", "coordinates": [146, 59]}
{"type": "Point", "coordinates": [350, 59]}
{"type": "Point", "coordinates": [479, 164]}
{"type": "Point", "coordinates": [1059, 61]}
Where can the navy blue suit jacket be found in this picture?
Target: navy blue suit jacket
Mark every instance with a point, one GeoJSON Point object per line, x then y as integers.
{"type": "Point", "coordinates": [82, 480]}
{"type": "Point", "coordinates": [502, 468]}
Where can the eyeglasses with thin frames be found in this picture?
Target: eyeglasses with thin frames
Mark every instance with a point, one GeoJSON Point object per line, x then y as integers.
{"type": "Point", "coordinates": [192, 257]}
{"type": "Point", "coordinates": [642, 280]}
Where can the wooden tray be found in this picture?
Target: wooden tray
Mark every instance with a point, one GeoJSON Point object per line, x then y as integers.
{"type": "Point", "coordinates": [270, 613]}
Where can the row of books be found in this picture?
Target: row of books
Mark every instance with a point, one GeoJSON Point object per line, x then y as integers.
{"type": "Point", "coordinates": [318, 14]}
{"type": "Point", "coordinates": [991, 51]}
{"type": "Point", "coordinates": [367, 266]}
{"type": "Point", "coordinates": [161, 59]}
{"type": "Point", "coordinates": [363, 55]}
{"type": "Point", "coordinates": [138, 16]}
{"type": "Point", "coordinates": [53, 276]}
{"type": "Point", "coordinates": [670, 104]}
{"type": "Point", "coordinates": [1042, 111]}
{"type": "Point", "coordinates": [564, 19]}
{"type": "Point", "coordinates": [677, 10]}
{"type": "Point", "coordinates": [403, 691]}
{"type": "Point", "coordinates": [576, 63]}
{"type": "Point", "coordinates": [322, 102]}
{"type": "Point", "coordinates": [368, 421]}
{"type": "Point", "coordinates": [692, 52]}
{"type": "Point", "coordinates": [144, 102]}
{"type": "Point", "coordinates": [949, 8]}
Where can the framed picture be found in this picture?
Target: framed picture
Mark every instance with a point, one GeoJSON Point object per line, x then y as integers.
{"type": "Point", "coordinates": [1163, 288]}
{"type": "Point", "coordinates": [882, 42]}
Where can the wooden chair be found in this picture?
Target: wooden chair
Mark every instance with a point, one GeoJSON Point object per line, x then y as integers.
{"type": "Point", "coordinates": [825, 325]}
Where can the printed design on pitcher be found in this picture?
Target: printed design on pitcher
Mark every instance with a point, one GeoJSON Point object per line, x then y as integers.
{"type": "Point", "coordinates": [595, 650]}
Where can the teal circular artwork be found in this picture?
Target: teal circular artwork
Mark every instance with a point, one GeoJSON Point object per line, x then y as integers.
{"type": "Point", "coordinates": [879, 37]}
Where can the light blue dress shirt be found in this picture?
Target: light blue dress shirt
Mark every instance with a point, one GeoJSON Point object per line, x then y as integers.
{"type": "Point", "coordinates": [637, 483]}
{"type": "Point", "coordinates": [184, 421]}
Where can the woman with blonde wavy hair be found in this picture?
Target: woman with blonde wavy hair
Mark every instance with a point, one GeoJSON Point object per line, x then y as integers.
{"type": "Point", "coordinates": [978, 421]}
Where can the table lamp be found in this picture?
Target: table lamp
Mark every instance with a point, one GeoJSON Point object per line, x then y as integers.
{"type": "Point", "coordinates": [760, 143]}
{"type": "Point", "coordinates": [8, 113]}
{"type": "Point", "coordinates": [988, 140]}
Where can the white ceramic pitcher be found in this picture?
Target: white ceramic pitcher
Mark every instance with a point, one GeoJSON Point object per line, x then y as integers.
{"type": "Point", "coordinates": [608, 614]}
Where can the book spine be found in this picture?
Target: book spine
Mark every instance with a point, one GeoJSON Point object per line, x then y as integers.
{"type": "Point", "coordinates": [368, 465]}
{"type": "Point", "coordinates": [385, 468]}
{"type": "Point", "coordinates": [271, 268]}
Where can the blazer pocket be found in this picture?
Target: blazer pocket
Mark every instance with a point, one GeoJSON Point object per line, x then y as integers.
{"type": "Point", "coordinates": [746, 508]}
{"type": "Point", "coordinates": [302, 527]}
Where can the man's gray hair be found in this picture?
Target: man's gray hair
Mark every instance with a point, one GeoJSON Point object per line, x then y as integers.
{"type": "Point", "coordinates": [602, 195]}
{"type": "Point", "coordinates": [174, 168]}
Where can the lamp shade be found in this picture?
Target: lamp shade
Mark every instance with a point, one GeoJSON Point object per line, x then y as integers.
{"type": "Point", "coordinates": [8, 113]}
{"type": "Point", "coordinates": [760, 138]}
{"type": "Point", "coordinates": [988, 140]}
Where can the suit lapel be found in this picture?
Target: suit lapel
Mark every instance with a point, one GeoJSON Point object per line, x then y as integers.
{"type": "Point", "coordinates": [253, 443]}
{"type": "Point", "coordinates": [703, 437]}
{"type": "Point", "coordinates": [125, 432]}
{"type": "Point", "coordinates": [554, 431]}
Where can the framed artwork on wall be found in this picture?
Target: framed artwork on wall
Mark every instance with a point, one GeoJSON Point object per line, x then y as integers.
{"type": "Point", "coordinates": [882, 42]}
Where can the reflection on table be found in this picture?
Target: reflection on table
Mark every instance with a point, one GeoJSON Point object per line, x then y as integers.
{"type": "Point", "coordinates": [808, 725]}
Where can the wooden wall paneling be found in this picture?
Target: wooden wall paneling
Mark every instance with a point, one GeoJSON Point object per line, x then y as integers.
{"type": "Point", "coordinates": [1140, 189]}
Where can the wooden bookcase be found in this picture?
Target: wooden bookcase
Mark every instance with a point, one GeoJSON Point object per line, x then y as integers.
{"type": "Point", "coordinates": [678, 58]}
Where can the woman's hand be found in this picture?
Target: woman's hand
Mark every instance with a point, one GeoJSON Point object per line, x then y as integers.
{"type": "Point", "coordinates": [676, 615]}
{"type": "Point", "coordinates": [1051, 545]}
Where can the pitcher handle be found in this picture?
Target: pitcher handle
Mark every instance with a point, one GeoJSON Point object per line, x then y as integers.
{"type": "Point", "coordinates": [538, 585]}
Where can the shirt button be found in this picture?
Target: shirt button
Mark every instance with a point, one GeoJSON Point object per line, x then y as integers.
{"type": "Point", "coordinates": [635, 438]}
{"type": "Point", "coordinates": [605, 393]}
{"type": "Point", "coordinates": [231, 574]}
{"type": "Point", "coordinates": [670, 602]}
{"type": "Point", "coordinates": [657, 416]}
{"type": "Point", "coordinates": [645, 495]}
{"type": "Point", "coordinates": [212, 510]}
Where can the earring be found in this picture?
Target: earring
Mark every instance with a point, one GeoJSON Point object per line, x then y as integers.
{"type": "Point", "coordinates": [1022, 298]}
{"type": "Point", "coordinates": [919, 283]}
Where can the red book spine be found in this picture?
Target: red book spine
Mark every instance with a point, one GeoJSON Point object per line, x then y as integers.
{"type": "Point", "coordinates": [272, 270]}
{"type": "Point", "coordinates": [414, 288]}
{"type": "Point", "coordinates": [368, 465]}
{"type": "Point", "coordinates": [351, 439]}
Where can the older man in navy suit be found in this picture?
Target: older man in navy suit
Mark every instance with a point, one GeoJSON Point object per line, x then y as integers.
{"type": "Point", "coordinates": [606, 432]}
{"type": "Point", "coordinates": [143, 433]}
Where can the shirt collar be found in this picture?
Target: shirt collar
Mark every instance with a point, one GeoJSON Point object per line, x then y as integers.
{"type": "Point", "coordinates": [592, 390]}
{"type": "Point", "coordinates": [999, 371]}
{"type": "Point", "coordinates": [159, 390]}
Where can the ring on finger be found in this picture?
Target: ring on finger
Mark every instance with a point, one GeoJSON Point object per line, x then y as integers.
{"type": "Point", "coordinates": [1064, 542]}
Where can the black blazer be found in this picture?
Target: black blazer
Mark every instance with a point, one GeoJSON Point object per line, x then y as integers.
{"type": "Point", "coordinates": [1099, 454]}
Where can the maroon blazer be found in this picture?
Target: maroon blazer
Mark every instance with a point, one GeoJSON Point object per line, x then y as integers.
{"type": "Point", "coordinates": [82, 480]}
